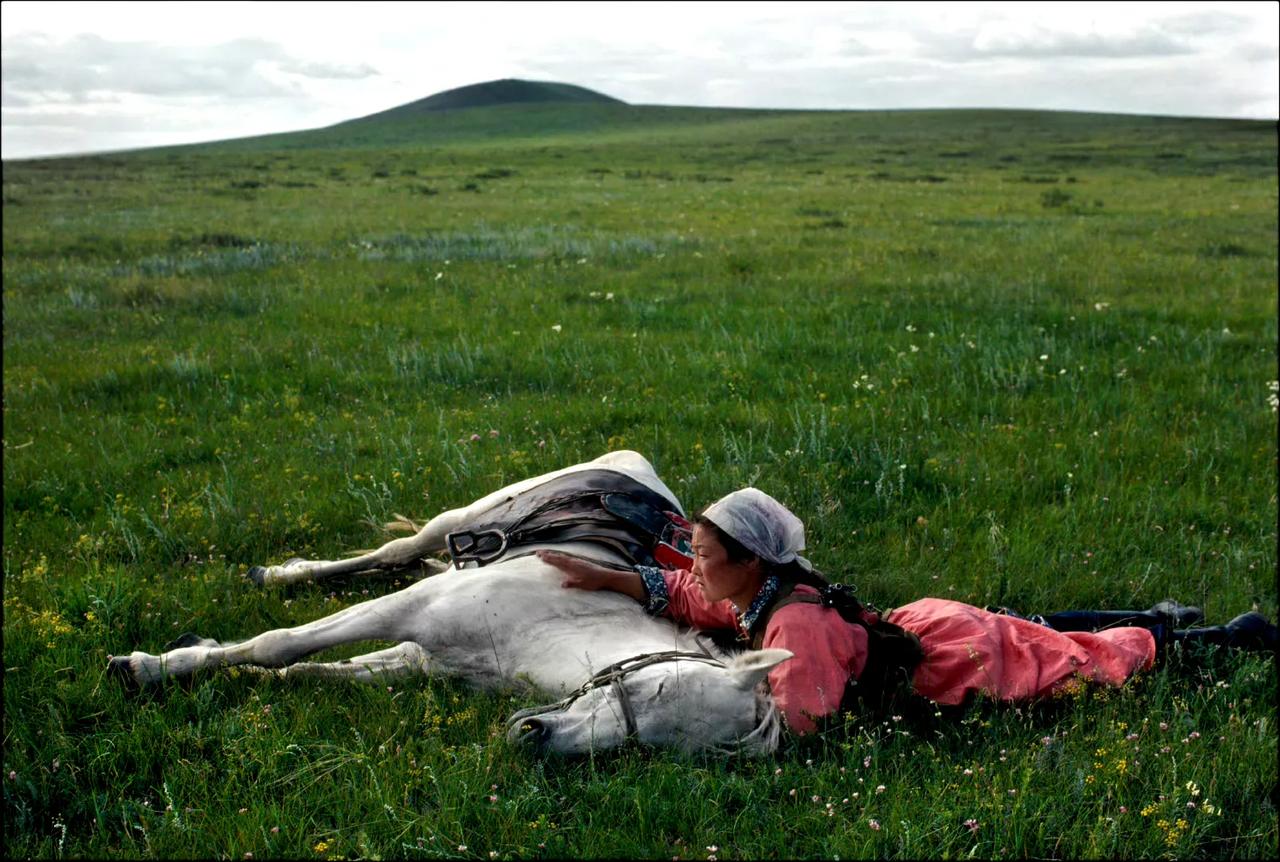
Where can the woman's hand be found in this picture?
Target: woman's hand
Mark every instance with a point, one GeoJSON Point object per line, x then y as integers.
{"type": "Point", "coordinates": [577, 572]}
{"type": "Point", "coordinates": [584, 575]}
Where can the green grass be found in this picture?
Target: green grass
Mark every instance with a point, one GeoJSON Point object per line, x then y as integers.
{"type": "Point", "coordinates": [1004, 357]}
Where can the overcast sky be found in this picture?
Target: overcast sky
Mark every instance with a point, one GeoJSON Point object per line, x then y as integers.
{"type": "Point", "coordinates": [85, 77]}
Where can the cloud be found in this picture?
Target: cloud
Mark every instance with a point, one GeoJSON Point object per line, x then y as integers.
{"type": "Point", "coordinates": [1205, 23]}
{"type": "Point", "coordinates": [89, 69]}
{"type": "Point", "coordinates": [1020, 39]}
{"type": "Point", "coordinates": [329, 70]}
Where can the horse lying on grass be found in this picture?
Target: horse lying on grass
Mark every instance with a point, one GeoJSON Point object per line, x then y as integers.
{"type": "Point", "coordinates": [626, 676]}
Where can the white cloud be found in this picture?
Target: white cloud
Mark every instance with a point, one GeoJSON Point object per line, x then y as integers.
{"type": "Point", "coordinates": [1021, 39]}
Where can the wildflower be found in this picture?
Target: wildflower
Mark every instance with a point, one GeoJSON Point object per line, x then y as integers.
{"type": "Point", "coordinates": [556, 328]}
{"type": "Point", "coordinates": [968, 772]}
{"type": "Point", "coordinates": [244, 810]}
{"type": "Point", "coordinates": [462, 848]}
{"type": "Point", "coordinates": [493, 854]}
{"type": "Point", "coordinates": [1046, 740]}
{"type": "Point", "coordinates": [475, 437]}
{"type": "Point", "coordinates": [1164, 725]}
{"type": "Point", "coordinates": [321, 846]}
{"type": "Point", "coordinates": [971, 825]}
{"type": "Point", "coordinates": [275, 830]}
{"type": "Point", "coordinates": [880, 788]}
{"type": "Point", "coordinates": [778, 771]}
{"type": "Point", "coordinates": [815, 798]}
{"type": "Point", "coordinates": [13, 775]}
{"type": "Point", "coordinates": [792, 792]}
{"type": "Point", "coordinates": [493, 797]}
{"type": "Point", "coordinates": [866, 761]}
{"type": "Point", "coordinates": [1124, 810]}
{"type": "Point", "coordinates": [874, 825]}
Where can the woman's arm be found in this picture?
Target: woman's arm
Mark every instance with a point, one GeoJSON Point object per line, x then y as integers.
{"type": "Point", "coordinates": [585, 575]}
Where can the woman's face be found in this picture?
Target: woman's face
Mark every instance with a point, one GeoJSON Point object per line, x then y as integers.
{"type": "Point", "coordinates": [717, 576]}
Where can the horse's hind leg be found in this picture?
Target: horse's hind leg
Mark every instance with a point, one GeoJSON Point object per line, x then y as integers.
{"type": "Point", "coordinates": [393, 556]}
{"type": "Point", "coordinates": [390, 617]}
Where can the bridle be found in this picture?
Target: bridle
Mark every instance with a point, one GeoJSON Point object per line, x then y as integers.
{"type": "Point", "coordinates": [613, 676]}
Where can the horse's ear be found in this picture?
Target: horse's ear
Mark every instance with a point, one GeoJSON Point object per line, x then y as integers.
{"type": "Point", "coordinates": [751, 667]}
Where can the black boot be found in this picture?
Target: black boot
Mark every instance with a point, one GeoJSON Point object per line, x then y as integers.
{"type": "Point", "coordinates": [1249, 631]}
{"type": "Point", "coordinates": [1177, 616]}
{"type": "Point", "coordinates": [1168, 613]}
{"type": "Point", "coordinates": [1096, 621]}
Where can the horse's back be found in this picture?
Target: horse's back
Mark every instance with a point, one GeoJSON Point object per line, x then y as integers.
{"type": "Point", "coordinates": [625, 461]}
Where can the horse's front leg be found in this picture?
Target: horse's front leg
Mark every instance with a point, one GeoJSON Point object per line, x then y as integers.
{"type": "Point", "coordinates": [395, 555]}
{"type": "Point", "coordinates": [398, 662]}
{"type": "Point", "coordinates": [389, 617]}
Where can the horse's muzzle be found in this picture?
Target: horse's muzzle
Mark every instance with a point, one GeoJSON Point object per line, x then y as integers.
{"type": "Point", "coordinates": [528, 732]}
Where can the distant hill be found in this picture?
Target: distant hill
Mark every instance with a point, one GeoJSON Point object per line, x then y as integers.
{"type": "Point", "coordinates": [507, 91]}
{"type": "Point", "coordinates": [513, 115]}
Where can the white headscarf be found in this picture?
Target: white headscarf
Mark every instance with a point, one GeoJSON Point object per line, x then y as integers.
{"type": "Point", "coordinates": [761, 524]}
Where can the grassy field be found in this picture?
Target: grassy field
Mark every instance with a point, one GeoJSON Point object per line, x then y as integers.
{"type": "Point", "coordinates": [1003, 357]}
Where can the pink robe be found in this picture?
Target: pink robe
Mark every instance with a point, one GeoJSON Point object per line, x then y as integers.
{"type": "Point", "coordinates": [967, 651]}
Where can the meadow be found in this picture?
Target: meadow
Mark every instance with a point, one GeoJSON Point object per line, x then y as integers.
{"type": "Point", "coordinates": [1004, 357]}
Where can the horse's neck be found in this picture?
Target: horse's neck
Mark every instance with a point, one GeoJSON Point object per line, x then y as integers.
{"type": "Point", "coordinates": [536, 629]}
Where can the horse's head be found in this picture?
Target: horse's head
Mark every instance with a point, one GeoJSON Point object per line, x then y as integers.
{"type": "Point", "coordinates": [681, 700]}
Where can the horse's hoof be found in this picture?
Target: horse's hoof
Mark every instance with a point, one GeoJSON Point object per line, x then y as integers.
{"type": "Point", "coordinates": [118, 668]}
{"type": "Point", "coordinates": [189, 639]}
{"type": "Point", "coordinates": [258, 575]}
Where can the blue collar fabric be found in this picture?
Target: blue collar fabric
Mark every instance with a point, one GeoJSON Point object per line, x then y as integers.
{"type": "Point", "coordinates": [768, 590]}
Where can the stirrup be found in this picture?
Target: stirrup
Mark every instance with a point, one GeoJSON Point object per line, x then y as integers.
{"type": "Point", "coordinates": [464, 546]}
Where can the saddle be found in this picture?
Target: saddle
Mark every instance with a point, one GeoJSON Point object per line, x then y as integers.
{"type": "Point", "coordinates": [600, 506]}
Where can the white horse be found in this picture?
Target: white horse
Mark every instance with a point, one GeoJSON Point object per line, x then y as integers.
{"type": "Point", "coordinates": [628, 676]}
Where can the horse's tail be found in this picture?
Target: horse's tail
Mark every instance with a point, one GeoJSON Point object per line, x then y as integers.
{"type": "Point", "coordinates": [401, 524]}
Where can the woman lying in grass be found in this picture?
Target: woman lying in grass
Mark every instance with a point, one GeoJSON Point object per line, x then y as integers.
{"type": "Point", "coordinates": [747, 575]}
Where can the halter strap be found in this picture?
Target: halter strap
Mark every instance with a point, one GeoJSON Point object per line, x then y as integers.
{"type": "Point", "coordinates": [613, 676]}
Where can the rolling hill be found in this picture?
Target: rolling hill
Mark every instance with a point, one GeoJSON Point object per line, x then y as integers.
{"type": "Point", "coordinates": [507, 91]}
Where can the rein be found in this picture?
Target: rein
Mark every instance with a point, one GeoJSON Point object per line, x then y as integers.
{"type": "Point", "coordinates": [613, 676]}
